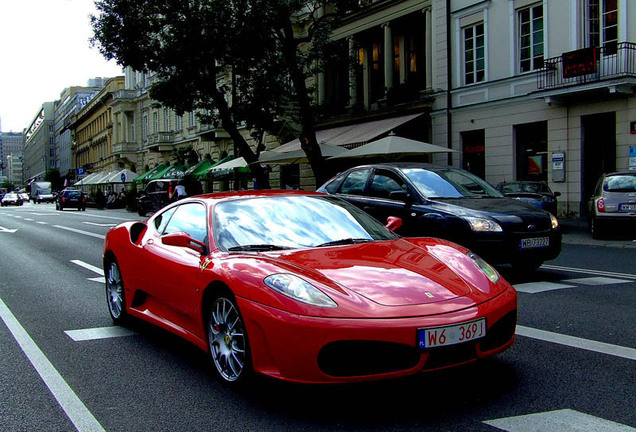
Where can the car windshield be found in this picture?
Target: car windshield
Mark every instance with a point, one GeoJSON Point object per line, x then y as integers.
{"type": "Point", "coordinates": [524, 187]}
{"type": "Point", "coordinates": [450, 183]}
{"type": "Point", "coordinates": [620, 183]}
{"type": "Point", "coordinates": [290, 222]}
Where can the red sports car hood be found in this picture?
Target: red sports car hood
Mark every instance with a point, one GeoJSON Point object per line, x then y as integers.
{"type": "Point", "coordinates": [391, 273]}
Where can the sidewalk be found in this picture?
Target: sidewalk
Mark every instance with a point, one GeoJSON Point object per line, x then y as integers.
{"type": "Point", "coordinates": [575, 231]}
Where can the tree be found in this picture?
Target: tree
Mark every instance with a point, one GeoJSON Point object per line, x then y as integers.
{"type": "Point", "coordinates": [194, 46]}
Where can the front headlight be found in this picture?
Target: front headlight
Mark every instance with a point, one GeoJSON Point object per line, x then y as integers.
{"type": "Point", "coordinates": [483, 224]}
{"type": "Point", "coordinates": [486, 268]}
{"type": "Point", "coordinates": [294, 287]}
{"type": "Point", "coordinates": [554, 221]}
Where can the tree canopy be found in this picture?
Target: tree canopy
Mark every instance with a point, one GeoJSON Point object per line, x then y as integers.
{"type": "Point", "coordinates": [238, 61]}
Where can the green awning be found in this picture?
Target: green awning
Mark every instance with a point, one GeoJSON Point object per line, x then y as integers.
{"type": "Point", "coordinates": [170, 172]}
{"type": "Point", "coordinates": [144, 177]}
{"type": "Point", "coordinates": [199, 170]}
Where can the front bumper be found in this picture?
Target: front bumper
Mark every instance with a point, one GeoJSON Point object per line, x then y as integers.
{"type": "Point", "coordinates": [331, 350]}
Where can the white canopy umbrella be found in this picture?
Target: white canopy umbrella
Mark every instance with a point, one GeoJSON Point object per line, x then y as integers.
{"type": "Point", "coordinates": [393, 145]}
{"type": "Point", "coordinates": [298, 155]}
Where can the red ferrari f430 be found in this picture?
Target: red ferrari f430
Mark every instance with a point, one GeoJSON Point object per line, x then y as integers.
{"type": "Point", "coordinates": [305, 287]}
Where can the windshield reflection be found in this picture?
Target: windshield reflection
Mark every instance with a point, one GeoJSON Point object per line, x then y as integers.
{"type": "Point", "coordinates": [292, 222]}
{"type": "Point", "coordinates": [450, 183]}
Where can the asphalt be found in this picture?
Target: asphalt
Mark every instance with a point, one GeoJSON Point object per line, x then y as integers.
{"type": "Point", "coordinates": [575, 231]}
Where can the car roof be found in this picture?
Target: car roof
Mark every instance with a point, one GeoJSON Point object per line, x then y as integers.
{"type": "Point", "coordinates": [404, 165]}
{"type": "Point", "coordinates": [628, 173]}
{"type": "Point", "coordinates": [221, 196]}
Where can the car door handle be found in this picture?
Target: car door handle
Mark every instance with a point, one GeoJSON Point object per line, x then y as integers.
{"type": "Point", "coordinates": [150, 242]}
{"type": "Point", "coordinates": [367, 208]}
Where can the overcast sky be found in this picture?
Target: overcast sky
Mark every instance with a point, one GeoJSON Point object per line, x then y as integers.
{"type": "Point", "coordinates": [44, 48]}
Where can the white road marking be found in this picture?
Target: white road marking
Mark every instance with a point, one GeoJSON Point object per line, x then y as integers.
{"type": "Point", "coordinates": [565, 420]}
{"type": "Point", "coordinates": [539, 287]}
{"type": "Point", "coordinates": [80, 416]}
{"type": "Point", "coordinates": [575, 342]}
{"type": "Point", "coordinates": [90, 234]}
{"type": "Point", "coordinates": [98, 333]}
{"type": "Point", "coordinates": [87, 266]}
{"type": "Point", "coordinates": [42, 223]}
{"type": "Point", "coordinates": [100, 224]}
{"type": "Point", "coordinates": [7, 230]}
{"type": "Point", "coordinates": [597, 281]}
{"type": "Point", "coordinates": [98, 279]}
{"type": "Point", "coordinates": [590, 271]}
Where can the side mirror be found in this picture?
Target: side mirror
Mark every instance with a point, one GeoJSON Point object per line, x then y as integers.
{"type": "Point", "coordinates": [557, 194]}
{"type": "Point", "coordinates": [181, 239]}
{"type": "Point", "coordinates": [400, 196]}
{"type": "Point", "coordinates": [393, 223]}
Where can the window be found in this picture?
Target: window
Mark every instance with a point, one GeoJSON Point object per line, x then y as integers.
{"type": "Point", "coordinates": [384, 183]}
{"type": "Point", "coordinates": [166, 119]}
{"type": "Point", "coordinates": [178, 122]}
{"type": "Point", "coordinates": [189, 218]}
{"type": "Point", "coordinates": [474, 54]}
{"type": "Point", "coordinates": [356, 181]}
{"type": "Point", "coordinates": [144, 127]}
{"type": "Point", "coordinates": [531, 38]}
{"type": "Point", "coordinates": [155, 122]}
{"type": "Point", "coordinates": [602, 24]}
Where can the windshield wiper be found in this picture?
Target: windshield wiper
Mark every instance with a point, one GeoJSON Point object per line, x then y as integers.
{"type": "Point", "coordinates": [345, 241]}
{"type": "Point", "coordinates": [257, 248]}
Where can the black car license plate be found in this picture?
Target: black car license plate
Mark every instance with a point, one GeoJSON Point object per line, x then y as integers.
{"type": "Point", "coordinates": [535, 242]}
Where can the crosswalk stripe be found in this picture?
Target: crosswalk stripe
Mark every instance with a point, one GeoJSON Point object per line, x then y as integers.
{"type": "Point", "coordinates": [565, 420]}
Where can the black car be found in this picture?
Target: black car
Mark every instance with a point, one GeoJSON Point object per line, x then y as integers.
{"type": "Point", "coordinates": [70, 198]}
{"type": "Point", "coordinates": [155, 195]}
{"type": "Point", "coordinates": [450, 203]}
{"type": "Point", "coordinates": [536, 193]}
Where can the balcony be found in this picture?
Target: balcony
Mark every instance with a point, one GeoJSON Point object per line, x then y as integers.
{"type": "Point", "coordinates": [125, 147]}
{"type": "Point", "coordinates": [160, 141]}
{"type": "Point", "coordinates": [612, 67]}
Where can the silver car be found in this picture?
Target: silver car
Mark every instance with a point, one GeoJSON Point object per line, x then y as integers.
{"type": "Point", "coordinates": [613, 203]}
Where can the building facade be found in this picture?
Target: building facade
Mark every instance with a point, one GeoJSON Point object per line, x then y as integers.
{"type": "Point", "coordinates": [11, 156]}
{"type": "Point", "coordinates": [92, 132]}
{"type": "Point", "coordinates": [39, 143]}
{"type": "Point", "coordinates": [72, 100]}
{"type": "Point", "coordinates": [544, 90]}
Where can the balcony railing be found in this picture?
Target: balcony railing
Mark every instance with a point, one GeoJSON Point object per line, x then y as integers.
{"type": "Point", "coordinates": [605, 63]}
{"type": "Point", "coordinates": [125, 147]}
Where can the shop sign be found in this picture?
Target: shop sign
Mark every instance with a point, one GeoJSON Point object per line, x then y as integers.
{"type": "Point", "coordinates": [579, 62]}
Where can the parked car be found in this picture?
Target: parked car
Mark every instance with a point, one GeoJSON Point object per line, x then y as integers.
{"type": "Point", "coordinates": [536, 193]}
{"type": "Point", "coordinates": [24, 196]}
{"type": "Point", "coordinates": [613, 203]}
{"type": "Point", "coordinates": [11, 198]}
{"type": "Point", "coordinates": [155, 196]}
{"type": "Point", "coordinates": [70, 198]}
{"type": "Point", "coordinates": [305, 287]}
{"type": "Point", "coordinates": [451, 203]}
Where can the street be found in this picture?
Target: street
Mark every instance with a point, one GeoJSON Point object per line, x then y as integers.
{"type": "Point", "coordinates": [65, 367]}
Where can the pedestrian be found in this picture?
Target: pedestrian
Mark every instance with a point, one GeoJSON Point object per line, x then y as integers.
{"type": "Point", "coordinates": [179, 192]}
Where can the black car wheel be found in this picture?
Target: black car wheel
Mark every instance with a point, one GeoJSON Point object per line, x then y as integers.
{"type": "Point", "coordinates": [227, 340]}
{"type": "Point", "coordinates": [115, 296]}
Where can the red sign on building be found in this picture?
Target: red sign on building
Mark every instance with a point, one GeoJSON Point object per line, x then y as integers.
{"type": "Point", "coordinates": [579, 62]}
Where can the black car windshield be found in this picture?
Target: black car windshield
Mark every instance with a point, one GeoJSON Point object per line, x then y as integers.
{"type": "Point", "coordinates": [290, 222]}
{"type": "Point", "coordinates": [450, 183]}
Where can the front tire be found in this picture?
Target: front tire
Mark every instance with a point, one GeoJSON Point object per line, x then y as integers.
{"type": "Point", "coordinates": [227, 340]}
{"type": "Point", "coordinates": [115, 295]}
